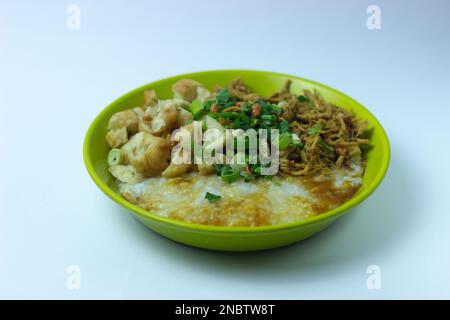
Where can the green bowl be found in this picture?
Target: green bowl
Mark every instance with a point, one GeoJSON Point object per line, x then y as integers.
{"type": "Point", "coordinates": [235, 238]}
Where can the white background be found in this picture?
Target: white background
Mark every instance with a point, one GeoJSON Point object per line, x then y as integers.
{"type": "Point", "coordinates": [54, 81]}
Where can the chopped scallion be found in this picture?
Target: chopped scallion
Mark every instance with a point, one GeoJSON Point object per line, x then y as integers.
{"type": "Point", "coordinates": [211, 197]}
{"type": "Point", "coordinates": [325, 145]}
{"type": "Point", "coordinates": [196, 106]}
{"type": "Point", "coordinates": [315, 130]}
{"type": "Point", "coordinates": [115, 157]}
{"type": "Point", "coordinates": [284, 126]}
{"type": "Point", "coordinates": [230, 175]}
{"type": "Point", "coordinates": [284, 140]}
{"type": "Point", "coordinates": [302, 98]}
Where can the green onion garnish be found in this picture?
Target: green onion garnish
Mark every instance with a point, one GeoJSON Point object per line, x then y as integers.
{"type": "Point", "coordinates": [284, 126]}
{"type": "Point", "coordinates": [268, 117]}
{"type": "Point", "coordinates": [325, 145]}
{"type": "Point", "coordinates": [284, 140]}
{"type": "Point", "coordinates": [196, 106]}
{"type": "Point", "coordinates": [315, 130]}
{"type": "Point", "coordinates": [211, 197]}
{"type": "Point", "coordinates": [302, 98]}
{"type": "Point", "coordinates": [296, 141]}
{"type": "Point", "coordinates": [115, 157]}
{"type": "Point", "coordinates": [254, 122]}
{"type": "Point", "coordinates": [207, 105]}
{"type": "Point", "coordinates": [230, 175]}
{"type": "Point", "coordinates": [277, 109]}
{"type": "Point", "coordinates": [223, 96]}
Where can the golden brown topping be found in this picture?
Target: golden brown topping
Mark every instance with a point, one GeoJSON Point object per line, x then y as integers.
{"type": "Point", "coordinates": [117, 138]}
{"type": "Point", "coordinates": [256, 110]}
{"type": "Point", "coordinates": [239, 89]}
{"type": "Point", "coordinates": [232, 109]}
{"type": "Point", "coordinates": [147, 154]}
{"type": "Point", "coordinates": [214, 107]}
{"type": "Point", "coordinates": [326, 136]}
{"type": "Point", "coordinates": [175, 170]}
{"type": "Point", "coordinates": [340, 150]}
{"type": "Point", "coordinates": [150, 98]}
{"type": "Point", "coordinates": [283, 94]}
{"type": "Point", "coordinates": [326, 131]}
{"type": "Point", "coordinates": [186, 89]}
{"type": "Point", "coordinates": [124, 119]}
{"type": "Point", "coordinates": [126, 173]}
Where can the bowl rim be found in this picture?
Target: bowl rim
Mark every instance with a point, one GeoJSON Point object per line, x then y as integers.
{"type": "Point", "coordinates": [360, 196]}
